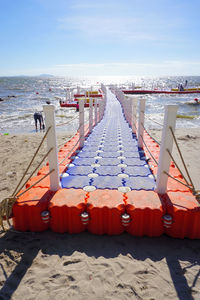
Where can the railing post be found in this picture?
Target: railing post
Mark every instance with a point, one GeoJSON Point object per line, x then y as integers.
{"type": "Point", "coordinates": [95, 109]}
{"type": "Point", "coordinates": [101, 107]}
{"type": "Point", "coordinates": [141, 122]}
{"type": "Point", "coordinates": [127, 109]}
{"type": "Point", "coordinates": [100, 110]}
{"type": "Point", "coordinates": [90, 114]}
{"type": "Point", "coordinates": [98, 107]}
{"type": "Point", "coordinates": [68, 95]}
{"type": "Point", "coordinates": [121, 97]}
{"type": "Point", "coordinates": [104, 103]}
{"type": "Point", "coordinates": [130, 112]}
{"type": "Point", "coordinates": [124, 103]}
{"type": "Point", "coordinates": [49, 111]}
{"type": "Point", "coordinates": [166, 144]}
{"type": "Point", "coordinates": [130, 108]}
{"type": "Point", "coordinates": [81, 122]}
{"type": "Point", "coordinates": [134, 114]}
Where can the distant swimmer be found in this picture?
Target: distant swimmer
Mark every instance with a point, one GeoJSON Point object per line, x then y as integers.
{"type": "Point", "coordinates": [185, 85]}
{"type": "Point", "coordinates": [38, 118]}
{"type": "Point", "coordinates": [180, 88]}
{"type": "Point", "coordinates": [196, 100]}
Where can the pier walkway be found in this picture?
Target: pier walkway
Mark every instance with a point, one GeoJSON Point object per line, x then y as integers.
{"type": "Point", "coordinates": [108, 186]}
{"type": "Point", "coordinates": [110, 158]}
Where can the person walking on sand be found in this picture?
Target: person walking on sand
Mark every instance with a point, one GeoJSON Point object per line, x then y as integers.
{"type": "Point", "coordinates": [77, 106]}
{"type": "Point", "coordinates": [38, 118]}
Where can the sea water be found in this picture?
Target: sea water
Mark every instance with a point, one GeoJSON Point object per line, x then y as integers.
{"type": "Point", "coordinates": [22, 96]}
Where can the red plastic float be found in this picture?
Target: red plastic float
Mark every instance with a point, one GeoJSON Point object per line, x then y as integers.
{"type": "Point", "coordinates": [105, 208]}
{"type": "Point", "coordinates": [66, 207]}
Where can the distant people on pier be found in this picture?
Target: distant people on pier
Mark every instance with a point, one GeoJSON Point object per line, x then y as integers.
{"type": "Point", "coordinates": [39, 120]}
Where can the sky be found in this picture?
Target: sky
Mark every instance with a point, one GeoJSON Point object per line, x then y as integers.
{"type": "Point", "coordinates": [106, 37]}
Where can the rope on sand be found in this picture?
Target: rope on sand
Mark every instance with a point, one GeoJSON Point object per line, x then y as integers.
{"type": "Point", "coordinates": [14, 193]}
{"type": "Point", "coordinates": [6, 210]}
{"type": "Point", "coordinates": [7, 203]}
{"type": "Point", "coordinates": [189, 183]}
{"type": "Point", "coordinates": [181, 156]}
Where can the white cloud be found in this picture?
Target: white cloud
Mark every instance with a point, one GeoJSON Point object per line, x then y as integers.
{"type": "Point", "coordinates": [110, 28]}
{"type": "Point", "coordinates": [126, 27]}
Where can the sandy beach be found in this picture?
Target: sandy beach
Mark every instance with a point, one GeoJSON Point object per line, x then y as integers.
{"type": "Point", "coordinates": [84, 266]}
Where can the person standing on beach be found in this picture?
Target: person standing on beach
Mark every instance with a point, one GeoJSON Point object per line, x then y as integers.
{"type": "Point", "coordinates": [38, 119]}
{"type": "Point", "coordinates": [77, 106]}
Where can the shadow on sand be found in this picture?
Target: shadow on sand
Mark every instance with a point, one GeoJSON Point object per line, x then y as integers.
{"type": "Point", "coordinates": [23, 248]}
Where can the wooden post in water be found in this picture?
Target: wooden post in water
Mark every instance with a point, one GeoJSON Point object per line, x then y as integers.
{"type": "Point", "coordinates": [141, 122]}
{"type": "Point", "coordinates": [166, 144]}
{"type": "Point", "coordinates": [49, 111]}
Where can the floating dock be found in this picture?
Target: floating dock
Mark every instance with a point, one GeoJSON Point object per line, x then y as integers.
{"type": "Point", "coordinates": [108, 187]}
{"type": "Point", "coordinates": [172, 92]}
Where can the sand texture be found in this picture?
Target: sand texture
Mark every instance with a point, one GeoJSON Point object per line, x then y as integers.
{"type": "Point", "coordinates": [84, 266]}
